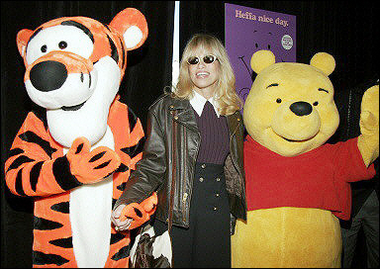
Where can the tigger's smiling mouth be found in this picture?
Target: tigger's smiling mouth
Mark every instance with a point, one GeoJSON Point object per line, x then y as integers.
{"type": "Point", "coordinates": [73, 108]}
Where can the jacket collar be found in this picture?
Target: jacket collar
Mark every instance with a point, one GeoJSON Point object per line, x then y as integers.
{"type": "Point", "coordinates": [198, 103]}
{"type": "Point", "coordinates": [182, 112]}
{"type": "Point", "coordinates": [185, 115]}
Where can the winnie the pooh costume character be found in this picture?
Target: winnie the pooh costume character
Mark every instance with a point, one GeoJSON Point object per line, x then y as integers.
{"type": "Point", "coordinates": [75, 157]}
{"type": "Point", "coordinates": [298, 186]}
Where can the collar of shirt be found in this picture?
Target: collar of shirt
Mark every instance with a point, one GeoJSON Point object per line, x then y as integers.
{"type": "Point", "coordinates": [198, 102]}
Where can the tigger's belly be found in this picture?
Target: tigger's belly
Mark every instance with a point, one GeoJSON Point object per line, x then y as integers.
{"type": "Point", "coordinates": [287, 237]}
{"type": "Point", "coordinates": [90, 217]}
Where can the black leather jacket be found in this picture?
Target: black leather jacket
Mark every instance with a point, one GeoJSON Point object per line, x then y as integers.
{"type": "Point", "coordinates": [172, 132]}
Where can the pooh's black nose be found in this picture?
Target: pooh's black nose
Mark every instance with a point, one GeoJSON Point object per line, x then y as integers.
{"type": "Point", "coordinates": [48, 76]}
{"type": "Point", "coordinates": [301, 108]}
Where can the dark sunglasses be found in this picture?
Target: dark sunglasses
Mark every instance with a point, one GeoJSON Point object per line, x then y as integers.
{"type": "Point", "coordinates": [207, 59]}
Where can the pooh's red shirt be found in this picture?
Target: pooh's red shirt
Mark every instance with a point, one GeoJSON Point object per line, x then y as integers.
{"type": "Point", "coordinates": [316, 179]}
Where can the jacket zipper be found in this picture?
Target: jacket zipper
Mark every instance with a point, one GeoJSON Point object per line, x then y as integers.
{"type": "Point", "coordinates": [189, 195]}
{"type": "Point", "coordinates": [185, 195]}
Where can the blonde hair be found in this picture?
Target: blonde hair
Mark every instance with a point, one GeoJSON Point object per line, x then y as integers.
{"type": "Point", "coordinates": [227, 100]}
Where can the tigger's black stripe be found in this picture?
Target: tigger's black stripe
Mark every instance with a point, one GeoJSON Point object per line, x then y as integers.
{"type": "Point", "coordinates": [33, 35]}
{"type": "Point", "coordinates": [80, 26]}
{"type": "Point", "coordinates": [40, 258]}
{"type": "Point", "coordinates": [123, 51]}
{"type": "Point", "coordinates": [44, 224]}
{"type": "Point", "coordinates": [40, 113]}
{"type": "Point", "coordinates": [136, 149]}
{"type": "Point", "coordinates": [121, 187]}
{"type": "Point", "coordinates": [114, 53]}
{"type": "Point", "coordinates": [79, 148]}
{"type": "Point", "coordinates": [122, 168]}
{"type": "Point", "coordinates": [133, 151]}
{"type": "Point", "coordinates": [102, 165]}
{"type": "Point", "coordinates": [63, 176]}
{"type": "Point", "coordinates": [116, 238]}
{"type": "Point", "coordinates": [108, 175]}
{"type": "Point", "coordinates": [113, 202]}
{"type": "Point", "coordinates": [31, 137]}
{"type": "Point", "coordinates": [19, 161]}
{"type": "Point", "coordinates": [132, 118]}
{"type": "Point", "coordinates": [18, 184]}
{"type": "Point", "coordinates": [35, 174]}
{"type": "Point", "coordinates": [61, 207]}
{"type": "Point", "coordinates": [123, 253]}
{"type": "Point", "coordinates": [138, 212]}
{"type": "Point", "coordinates": [97, 156]}
{"type": "Point", "coordinates": [15, 151]}
{"type": "Point", "coordinates": [63, 242]}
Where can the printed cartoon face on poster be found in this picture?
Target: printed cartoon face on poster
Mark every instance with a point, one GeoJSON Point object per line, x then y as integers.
{"type": "Point", "coordinates": [248, 30]}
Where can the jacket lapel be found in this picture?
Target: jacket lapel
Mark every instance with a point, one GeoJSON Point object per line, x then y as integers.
{"type": "Point", "coordinates": [185, 114]}
{"type": "Point", "coordinates": [234, 121]}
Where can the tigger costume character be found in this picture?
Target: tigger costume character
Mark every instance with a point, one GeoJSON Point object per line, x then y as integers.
{"type": "Point", "coordinates": [76, 159]}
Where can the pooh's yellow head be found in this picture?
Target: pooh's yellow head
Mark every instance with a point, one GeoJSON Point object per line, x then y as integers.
{"type": "Point", "coordinates": [290, 109]}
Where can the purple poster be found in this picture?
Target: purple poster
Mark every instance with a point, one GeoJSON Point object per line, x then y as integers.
{"type": "Point", "coordinates": [248, 30]}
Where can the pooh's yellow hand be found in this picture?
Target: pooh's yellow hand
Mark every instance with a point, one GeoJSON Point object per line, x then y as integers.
{"type": "Point", "coordinates": [368, 141]}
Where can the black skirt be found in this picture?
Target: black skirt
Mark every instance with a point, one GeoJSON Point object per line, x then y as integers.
{"type": "Point", "coordinates": [206, 243]}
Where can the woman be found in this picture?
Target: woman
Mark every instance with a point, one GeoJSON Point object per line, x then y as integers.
{"type": "Point", "coordinates": [195, 137]}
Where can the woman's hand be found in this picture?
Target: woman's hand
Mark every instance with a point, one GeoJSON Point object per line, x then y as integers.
{"type": "Point", "coordinates": [121, 222]}
{"type": "Point", "coordinates": [128, 217]}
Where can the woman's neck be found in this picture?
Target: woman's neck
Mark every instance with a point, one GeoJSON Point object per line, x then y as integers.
{"type": "Point", "coordinates": [206, 92]}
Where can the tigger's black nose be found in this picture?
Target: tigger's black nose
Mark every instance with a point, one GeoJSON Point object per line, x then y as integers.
{"type": "Point", "coordinates": [48, 76]}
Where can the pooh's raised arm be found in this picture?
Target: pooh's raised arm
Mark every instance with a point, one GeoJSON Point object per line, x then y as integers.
{"type": "Point", "coordinates": [368, 141]}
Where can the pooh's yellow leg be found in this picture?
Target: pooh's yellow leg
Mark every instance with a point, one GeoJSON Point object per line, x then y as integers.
{"type": "Point", "coordinates": [287, 237]}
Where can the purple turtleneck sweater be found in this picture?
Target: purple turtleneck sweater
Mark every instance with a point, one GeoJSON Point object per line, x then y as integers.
{"type": "Point", "coordinates": [214, 134]}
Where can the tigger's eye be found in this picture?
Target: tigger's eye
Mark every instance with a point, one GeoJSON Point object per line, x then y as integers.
{"type": "Point", "coordinates": [62, 45]}
{"type": "Point", "coordinates": [50, 39]}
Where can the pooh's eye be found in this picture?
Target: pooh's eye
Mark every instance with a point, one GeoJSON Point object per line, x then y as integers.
{"type": "Point", "coordinates": [273, 85]}
{"type": "Point", "coordinates": [62, 45]}
{"type": "Point", "coordinates": [323, 90]}
{"type": "Point", "coordinates": [44, 49]}
{"type": "Point", "coordinates": [315, 103]}
{"type": "Point", "coordinates": [279, 101]}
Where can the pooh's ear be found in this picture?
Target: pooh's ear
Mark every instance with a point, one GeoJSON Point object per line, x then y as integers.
{"type": "Point", "coordinates": [22, 39]}
{"type": "Point", "coordinates": [262, 59]}
{"type": "Point", "coordinates": [132, 25]}
{"type": "Point", "coordinates": [323, 61]}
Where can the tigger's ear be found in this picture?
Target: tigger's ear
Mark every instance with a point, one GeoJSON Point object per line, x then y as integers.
{"type": "Point", "coordinates": [22, 39]}
{"type": "Point", "coordinates": [132, 25]}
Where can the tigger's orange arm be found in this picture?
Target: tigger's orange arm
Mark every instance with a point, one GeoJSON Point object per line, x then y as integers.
{"type": "Point", "coordinates": [30, 168]}
{"type": "Point", "coordinates": [36, 168]}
